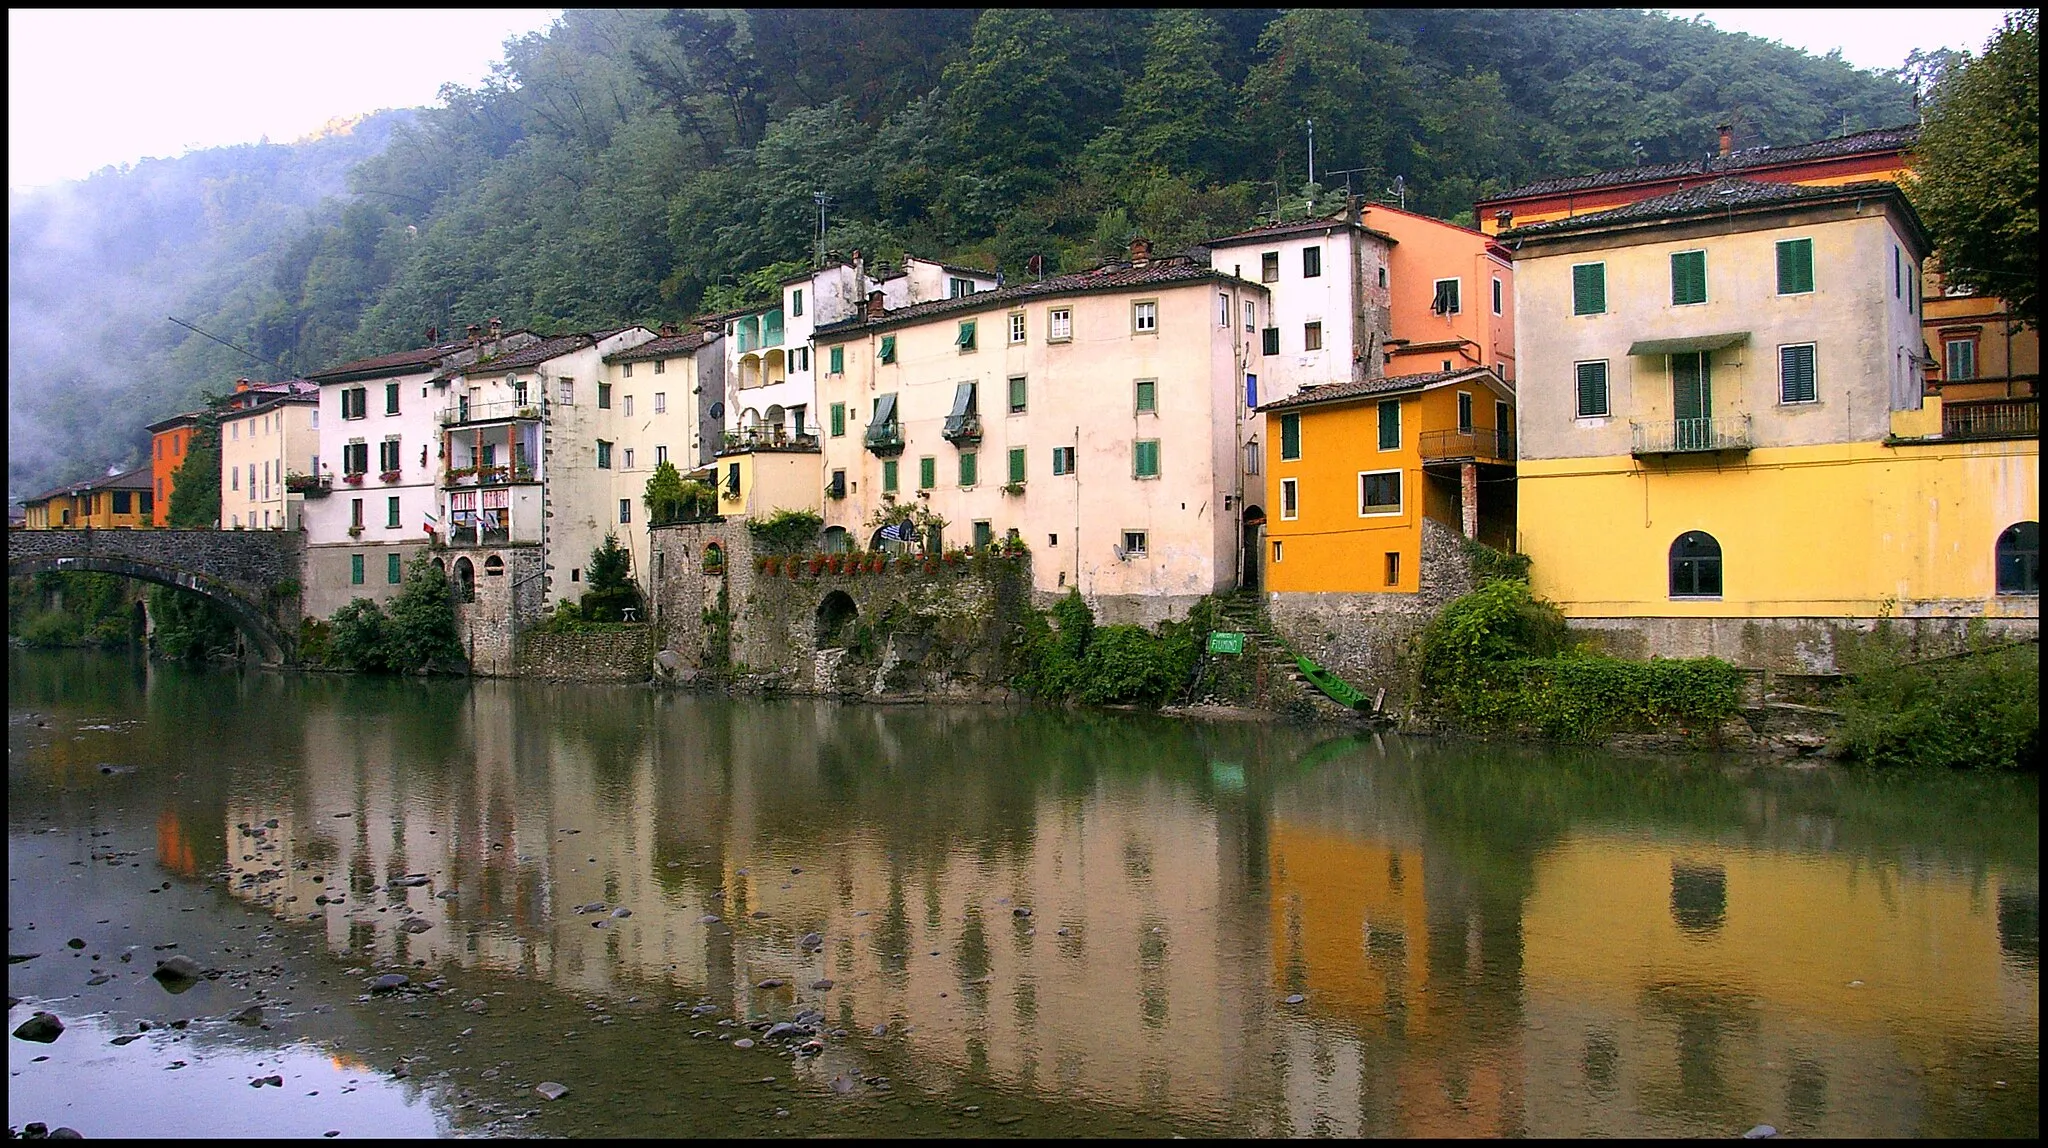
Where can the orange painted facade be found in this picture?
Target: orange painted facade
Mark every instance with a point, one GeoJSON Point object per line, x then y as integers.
{"type": "Point", "coordinates": [1481, 331]}
{"type": "Point", "coordinates": [169, 440]}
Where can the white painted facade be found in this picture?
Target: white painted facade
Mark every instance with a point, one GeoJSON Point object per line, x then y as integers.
{"type": "Point", "coordinates": [1343, 306]}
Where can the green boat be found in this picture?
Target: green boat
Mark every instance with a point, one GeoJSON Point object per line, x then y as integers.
{"type": "Point", "coordinates": [1334, 687]}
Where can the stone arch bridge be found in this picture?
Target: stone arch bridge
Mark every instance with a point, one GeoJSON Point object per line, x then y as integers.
{"type": "Point", "coordinates": [253, 574]}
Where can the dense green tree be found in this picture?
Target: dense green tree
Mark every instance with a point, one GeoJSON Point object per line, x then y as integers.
{"type": "Point", "coordinates": [188, 627]}
{"type": "Point", "coordinates": [1324, 66]}
{"type": "Point", "coordinates": [1177, 115]}
{"type": "Point", "coordinates": [1979, 181]}
{"type": "Point", "coordinates": [612, 589]}
{"type": "Point", "coordinates": [195, 485]}
{"type": "Point", "coordinates": [419, 630]}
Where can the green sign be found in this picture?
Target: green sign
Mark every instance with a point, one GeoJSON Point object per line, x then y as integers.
{"type": "Point", "coordinates": [1222, 642]}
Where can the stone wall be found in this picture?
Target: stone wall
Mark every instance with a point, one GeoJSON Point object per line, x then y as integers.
{"type": "Point", "coordinates": [614, 656]}
{"type": "Point", "coordinates": [1366, 638]}
{"type": "Point", "coordinates": [329, 573]}
{"type": "Point", "coordinates": [1783, 645]}
{"type": "Point", "coordinates": [505, 604]}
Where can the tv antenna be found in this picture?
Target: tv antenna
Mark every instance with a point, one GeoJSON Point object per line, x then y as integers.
{"type": "Point", "coordinates": [818, 248]}
{"type": "Point", "coordinates": [1311, 151]}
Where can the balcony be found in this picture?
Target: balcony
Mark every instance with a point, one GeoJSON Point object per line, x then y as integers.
{"type": "Point", "coordinates": [1726, 434]}
{"type": "Point", "coordinates": [469, 477]}
{"type": "Point", "coordinates": [963, 430]}
{"type": "Point", "coordinates": [310, 485]}
{"type": "Point", "coordinates": [465, 413]}
{"type": "Point", "coordinates": [769, 438]}
{"type": "Point", "coordinates": [1479, 444]}
{"type": "Point", "coordinates": [472, 535]}
{"type": "Point", "coordinates": [884, 439]}
{"type": "Point", "coordinates": [1990, 419]}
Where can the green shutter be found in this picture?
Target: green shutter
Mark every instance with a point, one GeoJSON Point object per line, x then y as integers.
{"type": "Point", "coordinates": [1017, 394]}
{"type": "Point", "coordinates": [927, 472]}
{"type": "Point", "coordinates": [392, 572]}
{"type": "Point", "coordinates": [968, 467]}
{"type": "Point", "coordinates": [1145, 458]}
{"type": "Point", "coordinates": [966, 338]}
{"type": "Point", "coordinates": [1390, 425]}
{"type": "Point", "coordinates": [1795, 266]}
{"type": "Point", "coordinates": [1017, 465]}
{"type": "Point", "coordinates": [889, 476]}
{"type": "Point", "coordinates": [1148, 395]}
{"type": "Point", "coordinates": [888, 351]}
{"type": "Point", "coordinates": [1795, 374]}
{"type": "Point", "coordinates": [1290, 436]}
{"type": "Point", "coordinates": [1592, 390]}
{"type": "Point", "coordinates": [838, 419]}
{"type": "Point", "coordinates": [1688, 277]}
{"type": "Point", "coordinates": [838, 360]}
{"type": "Point", "coordinates": [1589, 289]}
{"type": "Point", "coordinates": [355, 569]}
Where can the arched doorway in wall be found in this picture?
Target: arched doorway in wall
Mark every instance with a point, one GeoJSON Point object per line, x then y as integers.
{"type": "Point", "coordinates": [465, 580]}
{"type": "Point", "coordinates": [1251, 559]}
{"type": "Point", "coordinates": [835, 618]}
{"type": "Point", "coordinates": [836, 540]}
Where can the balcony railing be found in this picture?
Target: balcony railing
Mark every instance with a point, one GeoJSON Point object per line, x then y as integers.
{"type": "Point", "coordinates": [462, 413]}
{"type": "Point", "coordinates": [1692, 436]}
{"type": "Point", "coordinates": [310, 485]}
{"type": "Point", "coordinates": [770, 438]}
{"type": "Point", "coordinates": [963, 430]}
{"type": "Point", "coordinates": [487, 476]}
{"type": "Point", "coordinates": [1992, 419]}
{"type": "Point", "coordinates": [479, 536]}
{"type": "Point", "coordinates": [884, 439]}
{"type": "Point", "coordinates": [1480, 444]}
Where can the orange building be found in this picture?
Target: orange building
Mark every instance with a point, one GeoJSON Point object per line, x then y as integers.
{"type": "Point", "coordinates": [1452, 295]}
{"type": "Point", "coordinates": [169, 440]}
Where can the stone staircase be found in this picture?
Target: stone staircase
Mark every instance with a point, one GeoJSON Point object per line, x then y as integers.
{"type": "Point", "coordinates": [1286, 688]}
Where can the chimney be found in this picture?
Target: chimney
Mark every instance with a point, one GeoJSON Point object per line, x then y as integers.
{"type": "Point", "coordinates": [1353, 210]}
{"type": "Point", "coordinates": [475, 332]}
{"type": "Point", "coordinates": [1141, 251]}
{"type": "Point", "coordinates": [1727, 139]}
{"type": "Point", "coordinates": [241, 385]}
{"type": "Point", "coordinates": [1503, 219]}
{"type": "Point", "coordinates": [497, 327]}
{"type": "Point", "coordinates": [668, 331]}
{"type": "Point", "coordinates": [875, 307]}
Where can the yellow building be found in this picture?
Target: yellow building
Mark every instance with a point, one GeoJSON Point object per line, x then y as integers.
{"type": "Point", "coordinates": [1724, 444]}
{"type": "Point", "coordinates": [1359, 467]}
{"type": "Point", "coordinates": [261, 445]}
{"type": "Point", "coordinates": [116, 500]}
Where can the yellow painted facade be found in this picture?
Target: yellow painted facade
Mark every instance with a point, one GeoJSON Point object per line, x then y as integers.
{"type": "Point", "coordinates": [1329, 540]}
{"type": "Point", "coordinates": [122, 501]}
{"type": "Point", "coordinates": [758, 483]}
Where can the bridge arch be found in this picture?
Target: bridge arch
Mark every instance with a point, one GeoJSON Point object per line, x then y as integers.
{"type": "Point", "coordinates": [271, 643]}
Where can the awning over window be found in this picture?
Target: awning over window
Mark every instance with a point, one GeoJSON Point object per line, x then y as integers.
{"type": "Point", "coordinates": [963, 408]}
{"type": "Point", "coordinates": [1688, 344]}
{"type": "Point", "coordinates": [883, 425]}
{"type": "Point", "coordinates": [888, 348]}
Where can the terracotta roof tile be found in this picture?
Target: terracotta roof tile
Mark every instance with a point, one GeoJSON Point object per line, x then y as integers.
{"type": "Point", "coordinates": [1723, 194]}
{"type": "Point", "coordinates": [533, 355]}
{"type": "Point", "coordinates": [663, 347]}
{"type": "Point", "coordinates": [419, 359]}
{"type": "Point", "coordinates": [1169, 271]}
{"type": "Point", "coordinates": [1876, 140]}
{"type": "Point", "coordinates": [1366, 388]}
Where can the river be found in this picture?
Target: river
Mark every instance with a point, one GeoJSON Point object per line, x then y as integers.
{"type": "Point", "coordinates": [987, 921]}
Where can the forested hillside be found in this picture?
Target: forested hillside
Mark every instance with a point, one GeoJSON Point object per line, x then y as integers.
{"type": "Point", "coordinates": [637, 165]}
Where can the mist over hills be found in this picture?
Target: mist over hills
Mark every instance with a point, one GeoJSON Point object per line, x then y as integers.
{"type": "Point", "coordinates": [635, 166]}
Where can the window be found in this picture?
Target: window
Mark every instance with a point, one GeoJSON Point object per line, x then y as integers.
{"type": "Point", "coordinates": [1311, 336]}
{"type": "Point", "coordinates": [1134, 543]}
{"type": "Point", "coordinates": [628, 372]}
{"type": "Point", "coordinates": [355, 513]}
{"type": "Point", "coordinates": [1962, 359]}
{"type": "Point", "coordinates": [1269, 267]}
{"type": "Point", "coordinates": [393, 570]}
{"type": "Point", "coordinates": [969, 466]}
{"type": "Point", "coordinates": [2018, 559]}
{"type": "Point", "coordinates": [1016, 461]}
{"type": "Point", "coordinates": [1446, 300]}
{"type": "Point", "coordinates": [1695, 566]}
{"type": "Point", "coordinates": [838, 417]}
{"type": "Point", "coordinates": [888, 476]}
{"type": "Point", "coordinates": [629, 406]}
{"type": "Point", "coordinates": [629, 458]}
{"type": "Point", "coordinates": [353, 403]}
{"type": "Point", "coordinates": [519, 388]}
{"type": "Point", "coordinates": [1251, 315]}
{"type": "Point", "coordinates": [387, 455]}
{"type": "Point", "coordinates": [355, 569]}
{"type": "Point", "coordinates": [838, 358]}
{"type": "Point", "coordinates": [1898, 276]}
{"type": "Point", "coordinates": [604, 396]}
{"type": "Point", "coordinates": [1016, 326]}
{"type": "Point", "coordinates": [1795, 266]}
{"type": "Point", "coordinates": [887, 353]}
{"type": "Point", "coordinates": [1145, 458]}
{"type": "Point", "coordinates": [661, 402]}
{"type": "Point", "coordinates": [1464, 412]}
{"type": "Point", "coordinates": [625, 511]}
{"type": "Point", "coordinates": [1052, 540]}
{"type": "Point", "coordinates": [1059, 325]}
{"type": "Point", "coordinates": [1795, 373]}
{"type": "Point", "coordinates": [660, 455]}
{"type": "Point", "coordinates": [984, 534]}
{"type": "Point", "coordinates": [121, 502]}
{"type": "Point", "coordinates": [1311, 262]}
{"type": "Point", "coordinates": [565, 392]}
{"type": "Point", "coordinates": [604, 455]}
{"type": "Point", "coordinates": [661, 366]}
{"type": "Point", "coordinates": [1290, 504]}
{"type": "Point", "coordinates": [1148, 396]}
{"type": "Point", "coordinates": [1290, 437]}
{"type": "Point", "coordinates": [234, 478]}
{"type": "Point", "coordinates": [1496, 295]}
{"type": "Point", "coordinates": [1688, 277]}
{"type": "Point", "coordinates": [956, 287]}
{"type": "Point", "coordinates": [1145, 317]}
{"type": "Point", "coordinates": [1390, 424]}
{"type": "Point", "coordinates": [390, 398]}
{"type": "Point", "coordinates": [1223, 308]}
{"type": "Point", "coordinates": [391, 518]}
{"type": "Point", "coordinates": [1592, 390]}
{"type": "Point", "coordinates": [1276, 550]}
{"type": "Point", "coordinates": [1272, 341]}
{"type": "Point", "coordinates": [796, 301]}
{"type": "Point", "coordinates": [965, 339]}
{"type": "Point", "coordinates": [355, 457]}
{"type": "Point", "coordinates": [927, 472]}
{"type": "Point", "coordinates": [1393, 567]}
{"type": "Point", "coordinates": [1062, 460]}
{"type": "Point", "coordinates": [1379, 493]}
{"type": "Point", "coordinates": [1017, 394]}
{"type": "Point", "coordinates": [1383, 276]}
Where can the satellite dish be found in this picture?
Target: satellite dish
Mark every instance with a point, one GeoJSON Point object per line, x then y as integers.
{"type": "Point", "coordinates": [718, 410]}
{"type": "Point", "coordinates": [1117, 550]}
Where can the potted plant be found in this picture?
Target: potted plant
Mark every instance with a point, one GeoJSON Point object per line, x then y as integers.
{"type": "Point", "coordinates": [355, 532]}
{"type": "Point", "coordinates": [818, 563]}
{"type": "Point", "coordinates": [389, 476]}
{"type": "Point", "coordinates": [1013, 488]}
{"type": "Point", "coordinates": [353, 478]}
{"type": "Point", "coordinates": [771, 565]}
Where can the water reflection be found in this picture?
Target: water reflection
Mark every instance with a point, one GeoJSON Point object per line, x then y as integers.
{"type": "Point", "coordinates": [1240, 927]}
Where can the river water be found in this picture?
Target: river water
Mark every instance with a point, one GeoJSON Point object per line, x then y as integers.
{"type": "Point", "coordinates": [998, 922]}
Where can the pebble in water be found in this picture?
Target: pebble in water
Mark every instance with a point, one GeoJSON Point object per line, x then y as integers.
{"type": "Point", "coordinates": [551, 1090]}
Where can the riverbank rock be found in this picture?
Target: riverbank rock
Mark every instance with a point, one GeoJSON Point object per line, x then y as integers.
{"type": "Point", "coordinates": [551, 1090]}
{"type": "Point", "coordinates": [43, 1028]}
{"type": "Point", "coordinates": [177, 973]}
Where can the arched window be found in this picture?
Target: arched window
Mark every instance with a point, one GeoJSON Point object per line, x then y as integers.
{"type": "Point", "coordinates": [2019, 559]}
{"type": "Point", "coordinates": [1695, 566]}
{"type": "Point", "coordinates": [494, 565]}
{"type": "Point", "coordinates": [465, 581]}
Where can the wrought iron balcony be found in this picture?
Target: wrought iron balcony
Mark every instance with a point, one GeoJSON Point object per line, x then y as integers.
{"type": "Point", "coordinates": [1480, 444]}
{"type": "Point", "coordinates": [1728, 433]}
{"type": "Point", "coordinates": [464, 413]}
{"type": "Point", "coordinates": [885, 439]}
{"type": "Point", "coordinates": [310, 485]}
{"type": "Point", "coordinates": [769, 438]}
{"type": "Point", "coordinates": [1992, 418]}
{"type": "Point", "coordinates": [472, 476]}
{"type": "Point", "coordinates": [963, 430]}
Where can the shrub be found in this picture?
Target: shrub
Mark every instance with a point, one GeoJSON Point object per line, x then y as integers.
{"type": "Point", "coordinates": [786, 531]}
{"type": "Point", "coordinates": [356, 637]}
{"type": "Point", "coordinates": [1978, 711]}
{"type": "Point", "coordinates": [419, 631]}
{"type": "Point", "coordinates": [612, 590]}
{"type": "Point", "coordinates": [1064, 656]}
{"type": "Point", "coordinates": [1490, 565]}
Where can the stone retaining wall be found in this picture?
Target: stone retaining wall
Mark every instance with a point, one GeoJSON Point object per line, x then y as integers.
{"type": "Point", "coordinates": [621, 656]}
{"type": "Point", "coordinates": [1784, 645]}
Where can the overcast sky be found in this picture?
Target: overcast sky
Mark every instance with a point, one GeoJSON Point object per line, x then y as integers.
{"type": "Point", "coordinates": [91, 88]}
